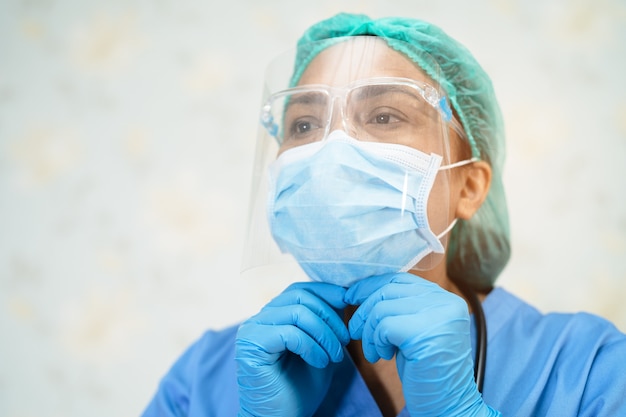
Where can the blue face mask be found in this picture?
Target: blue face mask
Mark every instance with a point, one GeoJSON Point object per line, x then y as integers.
{"type": "Point", "coordinates": [347, 209]}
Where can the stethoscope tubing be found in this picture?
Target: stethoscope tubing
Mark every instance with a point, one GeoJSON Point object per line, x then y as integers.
{"type": "Point", "coordinates": [480, 360]}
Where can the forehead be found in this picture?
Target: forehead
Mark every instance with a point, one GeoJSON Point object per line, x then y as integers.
{"type": "Point", "coordinates": [358, 58]}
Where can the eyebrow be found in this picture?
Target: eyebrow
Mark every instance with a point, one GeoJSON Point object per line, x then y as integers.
{"type": "Point", "coordinates": [377, 90]}
{"type": "Point", "coordinates": [312, 97]}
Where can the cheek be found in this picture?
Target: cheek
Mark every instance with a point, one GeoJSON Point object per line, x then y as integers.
{"type": "Point", "coordinates": [443, 200]}
{"type": "Point", "coordinates": [439, 204]}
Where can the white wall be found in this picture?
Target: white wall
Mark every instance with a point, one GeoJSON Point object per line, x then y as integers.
{"type": "Point", "coordinates": [126, 141]}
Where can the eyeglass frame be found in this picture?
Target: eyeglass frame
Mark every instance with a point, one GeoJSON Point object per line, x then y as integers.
{"type": "Point", "coordinates": [425, 90]}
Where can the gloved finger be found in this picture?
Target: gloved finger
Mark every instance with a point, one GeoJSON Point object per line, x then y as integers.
{"type": "Point", "coordinates": [264, 344]}
{"type": "Point", "coordinates": [330, 293]}
{"type": "Point", "coordinates": [361, 290]}
{"type": "Point", "coordinates": [386, 293]}
{"type": "Point", "coordinates": [379, 325]}
{"type": "Point", "coordinates": [416, 287]}
{"type": "Point", "coordinates": [407, 323]}
{"type": "Point", "coordinates": [377, 346]}
{"type": "Point", "coordinates": [307, 321]}
{"type": "Point", "coordinates": [299, 296]}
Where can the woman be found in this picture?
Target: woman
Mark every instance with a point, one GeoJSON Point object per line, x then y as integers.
{"type": "Point", "coordinates": [385, 186]}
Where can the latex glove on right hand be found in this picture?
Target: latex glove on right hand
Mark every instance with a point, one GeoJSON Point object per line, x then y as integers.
{"type": "Point", "coordinates": [285, 353]}
{"type": "Point", "coordinates": [428, 329]}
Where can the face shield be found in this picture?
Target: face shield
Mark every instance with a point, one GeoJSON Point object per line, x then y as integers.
{"type": "Point", "coordinates": [350, 177]}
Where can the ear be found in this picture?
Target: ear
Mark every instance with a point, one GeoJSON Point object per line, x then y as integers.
{"type": "Point", "coordinates": [475, 182]}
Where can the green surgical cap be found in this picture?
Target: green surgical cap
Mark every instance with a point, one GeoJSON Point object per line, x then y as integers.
{"type": "Point", "coordinates": [479, 248]}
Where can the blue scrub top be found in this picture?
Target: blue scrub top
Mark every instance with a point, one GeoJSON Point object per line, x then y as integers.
{"type": "Point", "coordinates": [537, 365]}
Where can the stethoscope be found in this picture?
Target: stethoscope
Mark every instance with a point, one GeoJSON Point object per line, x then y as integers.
{"type": "Point", "coordinates": [481, 333]}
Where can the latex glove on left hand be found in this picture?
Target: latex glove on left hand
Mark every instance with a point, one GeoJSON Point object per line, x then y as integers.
{"type": "Point", "coordinates": [428, 329]}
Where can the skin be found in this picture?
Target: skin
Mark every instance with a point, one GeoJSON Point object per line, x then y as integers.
{"type": "Point", "coordinates": [465, 189]}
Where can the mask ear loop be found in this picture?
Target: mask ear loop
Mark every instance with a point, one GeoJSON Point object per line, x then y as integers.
{"type": "Point", "coordinates": [441, 168]}
{"type": "Point", "coordinates": [459, 164]}
{"type": "Point", "coordinates": [447, 230]}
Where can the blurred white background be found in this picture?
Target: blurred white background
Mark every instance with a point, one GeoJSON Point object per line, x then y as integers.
{"type": "Point", "coordinates": [127, 131]}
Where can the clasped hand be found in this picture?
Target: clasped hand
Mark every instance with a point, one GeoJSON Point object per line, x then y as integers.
{"type": "Point", "coordinates": [286, 354]}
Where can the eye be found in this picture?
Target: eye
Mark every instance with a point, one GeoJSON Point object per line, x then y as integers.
{"type": "Point", "coordinates": [304, 126]}
{"type": "Point", "coordinates": [305, 129]}
{"type": "Point", "coordinates": [383, 118]}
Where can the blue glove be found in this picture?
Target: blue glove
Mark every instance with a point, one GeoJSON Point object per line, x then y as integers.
{"type": "Point", "coordinates": [428, 329]}
{"type": "Point", "coordinates": [285, 353]}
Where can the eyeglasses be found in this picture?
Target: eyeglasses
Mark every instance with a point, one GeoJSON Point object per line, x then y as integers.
{"type": "Point", "coordinates": [383, 109]}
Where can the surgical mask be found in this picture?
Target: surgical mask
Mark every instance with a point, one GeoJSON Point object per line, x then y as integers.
{"type": "Point", "coordinates": [348, 209]}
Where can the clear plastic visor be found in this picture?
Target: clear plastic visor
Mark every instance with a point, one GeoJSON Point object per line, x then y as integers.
{"type": "Point", "coordinates": [377, 97]}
